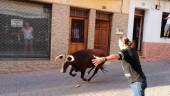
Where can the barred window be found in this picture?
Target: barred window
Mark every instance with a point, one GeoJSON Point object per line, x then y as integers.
{"type": "Point", "coordinates": [24, 29]}
{"type": "Point", "coordinates": [77, 30]}
{"type": "Point", "coordinates": [78, 19]}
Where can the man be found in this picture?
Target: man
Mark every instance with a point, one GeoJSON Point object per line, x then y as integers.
{"type": "Point", "coordinates": [131, 66]}
{"type": "Point", "coordinates": [167, 27]}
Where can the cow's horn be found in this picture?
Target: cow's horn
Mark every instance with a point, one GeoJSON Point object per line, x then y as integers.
{"type": "Point", "coordinates": [70, 58]}
{"type": "Point", "coordinates": [61, 56]}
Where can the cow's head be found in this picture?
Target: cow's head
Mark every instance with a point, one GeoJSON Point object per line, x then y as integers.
{"type": "Point", "coordinates": [68, 60]}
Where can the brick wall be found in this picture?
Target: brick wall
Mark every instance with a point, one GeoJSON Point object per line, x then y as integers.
{"type": "Point", "coordinates": [118, 21]}
{"type": "Point", "coordinates": [91, 29]}
{"type": "Point", "coordinates": [156, 50]}
{"type": "Point", "coordinates": [60, 30]}
{"type": "Point", "coordinates": [59, 40]}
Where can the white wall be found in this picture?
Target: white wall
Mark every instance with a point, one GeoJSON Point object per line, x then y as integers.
{"type": "Point", "coordinates": [152, 19]}
{"type": "Point", "coordinates": [131, 20]}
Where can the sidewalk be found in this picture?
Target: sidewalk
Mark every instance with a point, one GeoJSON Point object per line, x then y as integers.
{"type": "Point", "coordinates": [111, 83]}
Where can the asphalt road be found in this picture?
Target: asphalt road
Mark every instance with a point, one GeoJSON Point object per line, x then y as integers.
{"type": "Point", "coordinates": [111, 83]}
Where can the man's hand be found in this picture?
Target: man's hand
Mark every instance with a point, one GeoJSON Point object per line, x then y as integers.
{"type": "Point", "coordinates": [98, 60]}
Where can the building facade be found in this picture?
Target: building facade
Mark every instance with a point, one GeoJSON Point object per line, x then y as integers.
{"type": "Point", "coordinates": [34, 32]}
{"type": "Point", "coordinates": [146, 27]}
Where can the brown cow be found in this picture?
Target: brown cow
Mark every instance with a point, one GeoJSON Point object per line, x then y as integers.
{"type": "Point", "coordinates": [81, 60]}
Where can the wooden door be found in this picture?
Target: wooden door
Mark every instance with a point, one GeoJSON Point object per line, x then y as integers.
{"type": "Point", "coordinates": [102, 31]}
{"type": "Point", "coordinates": [78, 34]}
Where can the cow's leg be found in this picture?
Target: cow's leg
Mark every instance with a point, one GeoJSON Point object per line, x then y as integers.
{"type": "Point", "coordinates": [71, 72]}
{"type": "Point", "coordinates": [82, 75]}
{"type": "Point", "coordinates": [95, 71]}
{"type": "Point", "coordinates": [90, 70]}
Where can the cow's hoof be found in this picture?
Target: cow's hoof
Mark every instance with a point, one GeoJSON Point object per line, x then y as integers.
{"type": "Point", "coordinates": [89, 80]}
{"type": "Point", "coordinates": [84, 79]}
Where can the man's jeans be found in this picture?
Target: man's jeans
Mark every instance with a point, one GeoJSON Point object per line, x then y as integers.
{"type": "Point", "coordinates": [138, 88]}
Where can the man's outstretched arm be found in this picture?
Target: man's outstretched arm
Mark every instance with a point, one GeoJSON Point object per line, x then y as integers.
{"type": "Point", "coordinates": [99, 60]}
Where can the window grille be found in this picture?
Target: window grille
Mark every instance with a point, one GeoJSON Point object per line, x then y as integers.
{"type": "Point", "coordinates": [78, 12]}
{"type": "Point", "coordinates": [77, 30]}
{"type": "Point", "coordinates": [103, 16]}
{"type": "Point", "coordinates": [24, 29]}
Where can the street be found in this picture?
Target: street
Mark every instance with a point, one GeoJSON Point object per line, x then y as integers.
{"type": "Point", "coordinates": [111, 83]}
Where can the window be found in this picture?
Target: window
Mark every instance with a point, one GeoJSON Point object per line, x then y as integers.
{"type": "Point", "coordinates": [103, 16]}
{"type": "Point", "coordinates": [79, 12]}
{"type": "Point", "coordinates": [77, 30]}
{"type": "Point", "coordinates": [24, 29]}
{"type": "Point", "coordinates": [78, 23]}
{"type": "Point", "coordinates": [164, 21]}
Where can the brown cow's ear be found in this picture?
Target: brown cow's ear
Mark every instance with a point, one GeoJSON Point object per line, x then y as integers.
{"type": "Point", "coordinates": [70, 58]}
{"type": "Point", "coordinates": [61, 56]}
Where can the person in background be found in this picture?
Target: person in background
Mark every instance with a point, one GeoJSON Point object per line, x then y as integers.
{"type": "Point", "coordinates": [167, 27]}
{"type": "Point", "coordinates": [130, 64]}
{"type": "Point", "coordinates": [28, 37]}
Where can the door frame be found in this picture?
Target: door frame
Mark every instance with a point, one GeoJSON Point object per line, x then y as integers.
{"type": "Point", "coordinates": [140, 13]}
{"type": "Point", "coordinates": [85, 33]}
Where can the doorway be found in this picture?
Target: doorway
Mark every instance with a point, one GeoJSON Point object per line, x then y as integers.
{"type": "Point", "coordinates": [102, 31]}
{"type": "Point", "coordinates": [138, 29]}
